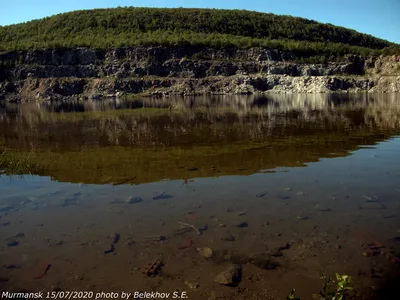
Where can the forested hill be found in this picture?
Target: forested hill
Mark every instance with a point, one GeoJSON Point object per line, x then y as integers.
{"type": "Point", "coordinates": [129, 26]}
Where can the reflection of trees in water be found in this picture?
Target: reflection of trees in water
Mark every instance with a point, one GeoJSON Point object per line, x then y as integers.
{"type": "Point", "coordinates": [195, 120]}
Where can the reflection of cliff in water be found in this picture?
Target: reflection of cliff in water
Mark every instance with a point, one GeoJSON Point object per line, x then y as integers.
{"type": "Point", "coordinates": [196, 121]}
{"type": "Point", "coordinates": [240, 104]}
{"type": "Point", "coordinates": [213, 136]}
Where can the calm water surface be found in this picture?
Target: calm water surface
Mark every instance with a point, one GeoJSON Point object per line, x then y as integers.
{"type": "Point", "coordinates": [290, 187]}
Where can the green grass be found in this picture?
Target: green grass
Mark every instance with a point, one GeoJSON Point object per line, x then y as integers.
{"type": "Point", "coordinates": [12, 162]}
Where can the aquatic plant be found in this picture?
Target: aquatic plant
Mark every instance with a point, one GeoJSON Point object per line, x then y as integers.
{"type": "Point", "coordinates": [338, 289]}
{"type": "Point", "coordinates": [292, 295]}
{"type": "Point", "coordinates": [12, 163]}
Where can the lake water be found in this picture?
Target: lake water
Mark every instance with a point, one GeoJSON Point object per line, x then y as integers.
{"type": "Point", "coordinates": [288, 186]}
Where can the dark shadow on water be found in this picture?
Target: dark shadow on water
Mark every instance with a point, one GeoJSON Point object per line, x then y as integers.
{"type": "Point", "coordinates": [262, 101]}
{"type": "Point", "coordinates": [389, 288]}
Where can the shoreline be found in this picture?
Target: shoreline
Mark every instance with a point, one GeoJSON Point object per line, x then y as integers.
{"type": "Point", "coordinates": [63, 89]}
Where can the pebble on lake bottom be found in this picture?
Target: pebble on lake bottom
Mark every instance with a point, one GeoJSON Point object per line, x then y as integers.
{"type": "Point", "coordinates": [262, 194]}
{"type": "Point", "coordinates": [161, 195]}
{"type": "Point", "coordinates": [133, 200]}
{"type": "Point", "coordinates": [322, 208]}
{"type": "Point", "coordinates": [12, 243]}
{"type": "Point", "coordinates": [241, 224]}
{"type": "Point", "coordinates": [231, 276]}
{"type": "Point", "coordinates": [192, 285]}
{"type": "Point", "coordinates": [205, 252]}
{"type": "Point", "coordinates": [155, 238]}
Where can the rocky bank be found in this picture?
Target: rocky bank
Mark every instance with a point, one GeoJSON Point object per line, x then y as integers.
{"type": "Point", "coordinates": [163, 71]}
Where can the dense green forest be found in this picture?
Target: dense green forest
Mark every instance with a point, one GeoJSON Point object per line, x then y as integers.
{"type": "Point", "coordinates": [129, 26]}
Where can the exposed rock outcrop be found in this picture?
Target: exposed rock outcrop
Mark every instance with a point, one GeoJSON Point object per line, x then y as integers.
{"type": "Point", "coordinates": [82, 72]}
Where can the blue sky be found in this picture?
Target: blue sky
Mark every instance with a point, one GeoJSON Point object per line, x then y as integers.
{"type": "Point", "coordinates": [379, 18]}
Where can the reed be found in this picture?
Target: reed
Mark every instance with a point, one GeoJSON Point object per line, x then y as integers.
{"type": "Point", "coordinates": [17, 164]}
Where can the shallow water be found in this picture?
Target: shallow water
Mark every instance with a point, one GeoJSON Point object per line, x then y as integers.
{"type": "Point", "coordinates": [288, 186]}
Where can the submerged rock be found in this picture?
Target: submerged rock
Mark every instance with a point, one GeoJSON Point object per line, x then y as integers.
{"type": "Point", "coordinates": [115, 237]}
{"type": "Point", "coordinates": [228, 238]}
{"type": "Point", "coordinates": [205, 252]}
{"type": "Point", "coordinates": [262, 194]}
{"type": "Point", "coordinates": [12, 266]}
{"type": "Point", "coordinates": [371, 199]}
{"type": "Point", "coordinates": [156, 238]}
{"type": "Point", "coordinates": [231, 276]}
{"type": "Point", "coordinates": [56, 243]}
{"type": "Point", "coordinates": [192, 285]}
{"type": "Point", "coordinates": [161, 195]}
{"type": "Point", "coordinates": [110, 249]}
{"type": "Point", "coordinates": [133, 200]}
{"type": "Point", "coordinates": [322, 208]}
{"type": "Point", "coordinates": [12, 243]}
{"type": "Point", "coordinates": [241, 224]}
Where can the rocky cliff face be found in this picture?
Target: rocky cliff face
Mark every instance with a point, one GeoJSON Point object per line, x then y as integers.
{"type": "Point", "coordinates": [81, 72]}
